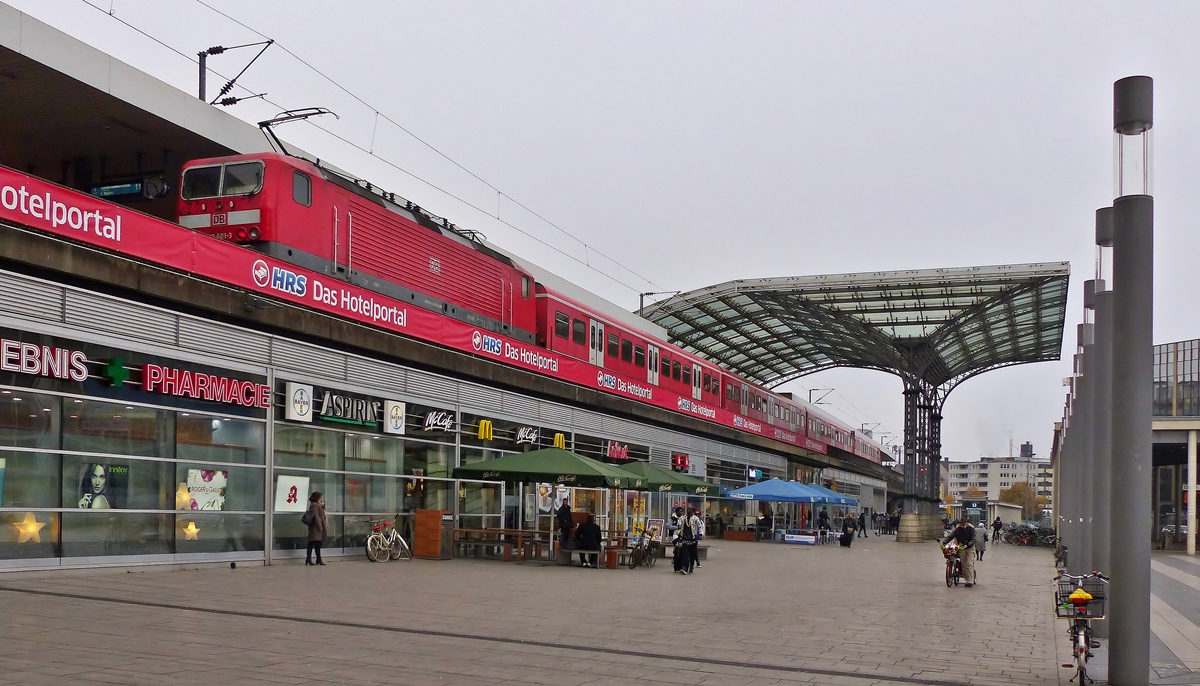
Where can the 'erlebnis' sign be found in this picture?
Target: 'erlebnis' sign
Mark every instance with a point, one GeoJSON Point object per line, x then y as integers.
{"type": "Point", "coordinates": [439, 420]}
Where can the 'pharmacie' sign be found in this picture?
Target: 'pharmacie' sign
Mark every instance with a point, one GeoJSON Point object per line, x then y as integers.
{"type": "Point", "coordinates": [303, 403]}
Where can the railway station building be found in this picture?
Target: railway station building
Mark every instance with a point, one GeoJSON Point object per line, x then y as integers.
{"type": "Point", "coordinates": [149, 415]}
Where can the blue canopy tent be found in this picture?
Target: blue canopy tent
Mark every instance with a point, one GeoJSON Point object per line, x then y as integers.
{"type": "Point", "coordinates": [835, 498]}
{"type": "Point", "coordinates": [780, 491]}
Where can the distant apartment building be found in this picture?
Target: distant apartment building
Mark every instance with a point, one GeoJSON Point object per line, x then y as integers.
{"type": "Point", "coordinates": [993, 474]}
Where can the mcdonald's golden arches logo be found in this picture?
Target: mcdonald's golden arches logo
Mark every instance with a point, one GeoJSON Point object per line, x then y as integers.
{"type": "Point", "coordinates": [485, 429]}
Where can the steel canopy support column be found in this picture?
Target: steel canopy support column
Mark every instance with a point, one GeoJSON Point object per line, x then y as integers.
{"type": "Point", "coordinates": [1191, 493]}
{"type": "Point", "coordinates": [910, 520]}
{"type": "Point", "coordinates": [1132, 389]}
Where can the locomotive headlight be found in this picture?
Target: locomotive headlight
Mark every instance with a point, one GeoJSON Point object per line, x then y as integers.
{"type": "Point", "coordinates": [254, 233]}
{"type": "Point", "coordinates": [240, 235]}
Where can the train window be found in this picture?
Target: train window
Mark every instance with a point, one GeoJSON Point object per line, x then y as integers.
{"type": "Point", "coordinates": [627, 350]}
{"type": "Point", "coordinates": [302, 189]}
{"type": "Point", "coordinates": [675, 370]}
{"type": "Point", "coordinates": [778, 415]}
{"type": "Point", "coordinates": [580, 331]}
{"type": "Point", "coordinates": [707, 385]}
{"type": "Point", "coordinates": [614, 345]}
{"type": "Point", "coordinates": [525, 287]}
{"type": "Point", "coordinates": [562, 324]}
{"type": "Point", "coordinates": [242, 178]}
{"type": "Point", "coordinates": [639, 356]}
{"type": "Point", "coordinates": [687, 375]}
{"type": "Point", "coordinates": [202, 182]}
{"type": "Point", "coordinates": [666, 367]}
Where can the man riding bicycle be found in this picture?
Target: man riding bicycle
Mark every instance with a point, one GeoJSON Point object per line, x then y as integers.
{"type": "Point", "coordinates": [964, 536]}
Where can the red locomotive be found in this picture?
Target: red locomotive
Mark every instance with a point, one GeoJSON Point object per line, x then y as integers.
{"type": "Point", "coordinates": [316, 218]}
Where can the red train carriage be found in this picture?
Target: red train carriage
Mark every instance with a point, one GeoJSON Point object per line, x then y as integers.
{"type": "Point", "coordinates": [321, 220]}
{"type": "Point", "coordinates": [313, 217]}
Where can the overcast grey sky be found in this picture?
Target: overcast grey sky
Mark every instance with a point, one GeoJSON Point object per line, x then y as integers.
{"type": "Point", "coordinates": [702, 142]}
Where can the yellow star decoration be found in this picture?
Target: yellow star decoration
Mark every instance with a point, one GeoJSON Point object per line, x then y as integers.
{"type": "Point", "coordinates": [28, 529]}
{"type": "Point", "coordinates": [183, 498]}
{"type": "Point", "coordinates": [191, 532]}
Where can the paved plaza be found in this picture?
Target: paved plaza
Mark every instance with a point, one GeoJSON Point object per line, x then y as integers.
{"type": "Point", "coordinates": [878, 613]}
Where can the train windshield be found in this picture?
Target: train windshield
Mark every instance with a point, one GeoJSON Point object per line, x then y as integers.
{"type": "Point", "coordinates": [237, 178]}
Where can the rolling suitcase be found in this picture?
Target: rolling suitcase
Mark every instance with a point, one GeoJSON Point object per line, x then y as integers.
{"type": "Point", "coordinates": [846, 539]}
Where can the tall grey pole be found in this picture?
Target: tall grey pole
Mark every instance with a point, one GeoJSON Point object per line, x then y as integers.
{"type": "Point", "coordinates": [1071, 474]}
{"type": "Point", "coordinates": [1102, 418]}
{"type": "Point", "coordinates": [1132, 386]}
{"type": "Point", "coordinates": [1086, 386]}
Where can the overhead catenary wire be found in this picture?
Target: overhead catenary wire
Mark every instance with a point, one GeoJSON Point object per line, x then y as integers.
{"type": "Point", "coordinates": [379, 114]}
{"type": "Point", "coordinates": [496, 216]}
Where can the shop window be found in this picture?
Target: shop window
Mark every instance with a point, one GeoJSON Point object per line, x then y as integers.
{"type": "Point", "coordinates": [23, 524]}
{"type": "Point", "coordinates": [639, 356]}
{"type": "Point", "coordinates": [30, 480]}
{"type": "Point", "coordinates": [374, 454]}
{"type": "Point", "coordinates": [206, 488]}
{"type": "Point", "coordinates": [91, 534]}
{"type": "Point", "coordinates": [428, 459]}
{"type": "Point", "coordinates": [100, 427]}
{"type": "Point", "coordinates": [297, 446]}
{"type": "Point", "coordinates": [580, 331]}
{"type": "Point", "coordinates": [219, 532]}
{"type": "Point", "coordinates": [626, 350]}
{"type": "Point", "coordinates": [219, 439]}
{"type": "Point", "coordinates": [28, 420]}
{"type": "Point", "coordinates": [93, 483]}
{"type": "Point", "coordinates": [614, 345]}
{"type": "Point", "coordinates": [302, 188]}
{"type": "Point", "coordinates": [562, 324]}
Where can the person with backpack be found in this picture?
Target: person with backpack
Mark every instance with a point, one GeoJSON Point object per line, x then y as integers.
{"type": "Point", "coordinates": [862, 524]}
{"type": "Point", "coordinates": [318, 526]}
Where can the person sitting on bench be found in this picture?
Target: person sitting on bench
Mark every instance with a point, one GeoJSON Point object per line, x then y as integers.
{"type": "Point", "coordinates": [588, 537]}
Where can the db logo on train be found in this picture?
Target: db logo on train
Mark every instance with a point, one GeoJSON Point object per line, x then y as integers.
{"type": "Point", "coordinates": [261, 273]}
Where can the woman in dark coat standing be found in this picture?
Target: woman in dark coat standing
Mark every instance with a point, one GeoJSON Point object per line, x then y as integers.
{"type": "Point", "coordinates": [318, 526]}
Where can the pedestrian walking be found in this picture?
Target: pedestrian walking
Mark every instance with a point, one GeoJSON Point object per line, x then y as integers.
{"type": "Point", "coordinates": [318, 527]}
{"type": "Point", "coordinates": [685, 543]}
{"type": "Point", "coordinates": [964, 535]}
{"type": "Point", "coordinates": [981, 541]}
{"type": "Point", "coordinates": [823, 524]}
{"type": "Point", "coordinates": [699, 537]}
{"type": "Point", "coordinates": [848, 527]}
{"type": "Point", "coordinates": [673, 530]}
{"type": "Point", "coordinates": [862, 524]}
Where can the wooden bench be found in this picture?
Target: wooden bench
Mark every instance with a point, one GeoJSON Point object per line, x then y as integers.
{"type": "Point", "coordinates": [701, 551]}
{"type": "Point", "coordinates": [565, 555]}
{"type": "Point", "coordinates": [481, 545]}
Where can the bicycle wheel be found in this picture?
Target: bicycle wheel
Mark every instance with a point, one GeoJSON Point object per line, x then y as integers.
{"type": "Point", "coordinates": [401, 549]}
{"type": "Point", "coordinates": [635, 558]}
{"type": "Point", "coordinates": [651, 556]}
{"type": "Point", "coordinates": [377, 548]}
{"type": "Point", "coordinates": [949, 574]}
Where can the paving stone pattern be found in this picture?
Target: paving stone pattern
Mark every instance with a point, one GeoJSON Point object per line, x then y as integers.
{"type": "Point", "coordinates": [757, 613]}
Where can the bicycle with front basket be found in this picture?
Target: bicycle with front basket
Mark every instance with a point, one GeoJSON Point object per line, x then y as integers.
{"type": "Point", "coordinates": [1080, 599]}
{"type": "Point", "coordinates": [385, 542]}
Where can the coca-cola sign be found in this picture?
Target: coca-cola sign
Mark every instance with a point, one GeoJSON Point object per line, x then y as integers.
{"type": "Point", "coordinates": [530, 435]}
{"type": "Point", "coordinates": [439, 420]}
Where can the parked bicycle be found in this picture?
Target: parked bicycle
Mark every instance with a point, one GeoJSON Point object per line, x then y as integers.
{"type": "Point", "coordinates": [385, 542]}
{"type": "Point", "coordinates": [644, 551]}
{"type": "Point", "coordinates": [1080, 599]}
{"type": "Point", "coordinates": [1060, 554]}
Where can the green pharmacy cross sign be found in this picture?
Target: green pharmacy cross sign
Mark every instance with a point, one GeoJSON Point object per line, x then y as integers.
{"type": "Point", "coordinates": [116, 373]}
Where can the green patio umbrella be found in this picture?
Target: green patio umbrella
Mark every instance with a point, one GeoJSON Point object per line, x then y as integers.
{"type": "Point", "coordinates": [662, 479]}
{"type": "Point", "coordinates": [551, 465]}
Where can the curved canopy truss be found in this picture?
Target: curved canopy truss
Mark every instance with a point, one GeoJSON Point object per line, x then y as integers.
{"type": "Point", "coordinates": [934, 328]}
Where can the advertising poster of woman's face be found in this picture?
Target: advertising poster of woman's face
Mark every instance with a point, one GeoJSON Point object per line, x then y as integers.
{"type": "Point", "coordinates": [102, 486]}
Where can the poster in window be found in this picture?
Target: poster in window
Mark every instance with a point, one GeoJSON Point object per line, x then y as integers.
{"type": "Point", "coordinates": [103, 486]}
{"type": "Point", "coordinates": [207, 489]}
{"type": "Point", "coordinates": [291, 493]}
{"type": "Point", "coordinates": [654, 529]}
{"type": "Point", "coordinates": [545, 498]}
{"type": "Point", "coordinates": [562, 494]}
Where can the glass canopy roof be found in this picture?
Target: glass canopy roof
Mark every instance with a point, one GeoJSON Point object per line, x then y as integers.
{"type": "Point", "coordinates": [932, 325]}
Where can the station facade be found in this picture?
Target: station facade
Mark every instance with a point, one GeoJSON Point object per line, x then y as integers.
{"type": "Point", "coordinates": [132, 434]}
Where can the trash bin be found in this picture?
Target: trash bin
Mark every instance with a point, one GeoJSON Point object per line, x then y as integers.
{"type": "Point", "coordinates": [433, 534]}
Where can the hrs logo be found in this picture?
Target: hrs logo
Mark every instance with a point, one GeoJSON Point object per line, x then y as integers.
{"type": "Point", "coordinates": [278, 278]}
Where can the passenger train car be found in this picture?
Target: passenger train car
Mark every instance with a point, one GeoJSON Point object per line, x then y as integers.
{"type": "Point", "coordinates": [326, 222]}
